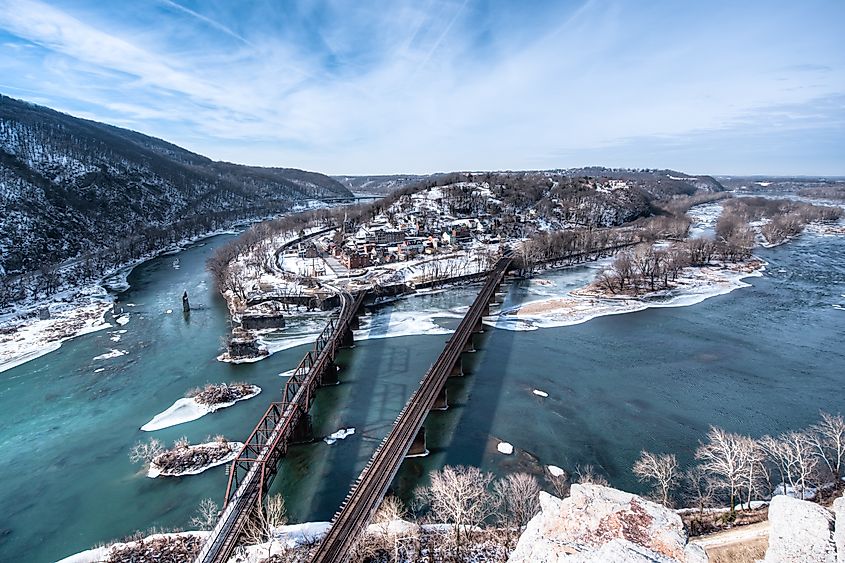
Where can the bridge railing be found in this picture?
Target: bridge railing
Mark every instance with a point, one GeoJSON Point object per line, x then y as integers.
{"type": "Point", "coordinates": [255, 467]}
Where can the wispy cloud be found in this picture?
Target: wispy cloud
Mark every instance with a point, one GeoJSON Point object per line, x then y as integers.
{"type": "Point", "coordinates": [407, 86]}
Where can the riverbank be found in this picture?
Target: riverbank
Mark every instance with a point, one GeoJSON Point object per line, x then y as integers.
{"type": "Point", "coordinates": [73, 311]}
{"type": "Point", "coordinates": [693, 285]}
{"type": "Point", "coordinates": [72, 315]}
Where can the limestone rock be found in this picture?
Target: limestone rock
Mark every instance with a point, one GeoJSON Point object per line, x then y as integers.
{"type": "Point", "coordinates": [694, 553]}
{"type": "Point", "coordinates": [799, 532]}
{"type": "Point", "coordinates": [839, 534]}
{"type": "Point", "coordinates": [600, 524]}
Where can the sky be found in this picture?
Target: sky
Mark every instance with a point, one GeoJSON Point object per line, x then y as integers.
{"type": "Point", "coordinates": [357, 87]}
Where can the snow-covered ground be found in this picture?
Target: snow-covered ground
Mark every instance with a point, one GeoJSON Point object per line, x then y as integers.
{"type": "Point", "coordinates": [188, 409]}
{"type": "Point", "coordinates": [99, 554]}
{"type": "Point", "coordinates": [234, 449]}
{"type": "Point", "coordinates": [693, 286]}
{"type": "Point", "coordinates": [74, 311]}
{"type": "Point", "coordinates": [25, 340]}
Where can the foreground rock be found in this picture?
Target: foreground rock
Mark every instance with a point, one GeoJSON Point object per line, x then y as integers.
{"type": "Point", "coordinates": [601, 524]}
{"type": "Point", "coordinates": [839, 534]}
{"type": "Point", "coordinates": [800, 532]}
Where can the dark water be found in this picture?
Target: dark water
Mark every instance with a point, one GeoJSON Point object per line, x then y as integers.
{"type": "Point", "coordinates": [759, 360]}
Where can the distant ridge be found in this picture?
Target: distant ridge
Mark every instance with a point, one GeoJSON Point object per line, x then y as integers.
{"type": "Point", "coordinates": [70, 185]}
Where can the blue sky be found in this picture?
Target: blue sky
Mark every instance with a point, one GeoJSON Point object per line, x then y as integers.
{"type": "Point", "coordinates": [364, 88]}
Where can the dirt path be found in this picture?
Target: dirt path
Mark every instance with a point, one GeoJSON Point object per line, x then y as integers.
{"type": "Point", "coordinates": [741, 534]}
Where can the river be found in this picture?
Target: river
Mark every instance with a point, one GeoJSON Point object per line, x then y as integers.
{"type": "Point", "coordinates": [762, 359]}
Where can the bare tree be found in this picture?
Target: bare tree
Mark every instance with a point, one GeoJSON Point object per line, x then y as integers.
{"type": "Point", "coordinates": [723, 458]}
{"type": "Point", "coordinates": [559, 482]}
{"type": "Point", "coordinates": [588, 474]}
{"type": "Point", "coordinates": [794, 456]}
{"type": "Point", "coordinates": [517, 495]}
{"type": "Point", "coordinates": [828, 439]}
{"type": "Point", "coordinates": [145, 451]}
{"type": "Point", "coordinates": [753, 470]}
{"type": "Point", "coordinates": [459, 496]}
{"type": "Point", "coordinates": [700, 492]}
{"type": "Point", "coordinates": [661, 470]}
{"type": "Point", "coordinates": [206, 515]}
{"type": "Point", "coordinates": [388, 535]}
{"type": "Point", "coordinates": [265, 518]}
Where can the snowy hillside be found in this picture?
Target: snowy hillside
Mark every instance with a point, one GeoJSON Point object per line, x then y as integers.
{"type": "Point", "coordinates": [70, 185]}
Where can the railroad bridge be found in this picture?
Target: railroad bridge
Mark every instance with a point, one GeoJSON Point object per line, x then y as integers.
{"type": "Point", "coordinates": [407, 437]}
{"type": "Point", "coordinates": [286, 422]}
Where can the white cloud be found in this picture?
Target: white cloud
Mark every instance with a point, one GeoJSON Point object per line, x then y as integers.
{"type": "Point", "coordinates": [400, 88]}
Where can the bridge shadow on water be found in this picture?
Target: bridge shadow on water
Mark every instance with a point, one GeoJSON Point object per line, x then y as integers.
{"type": "Point", "coordinates": [377, 377]}
{"type": "Point", "coordinates": [461, 434]}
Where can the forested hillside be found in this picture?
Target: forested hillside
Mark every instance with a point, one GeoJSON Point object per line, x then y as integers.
{"type": "Point", "coordinates": [70, 187]}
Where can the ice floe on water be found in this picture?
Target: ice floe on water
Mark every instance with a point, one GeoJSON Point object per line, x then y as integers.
{"type": "Point", "coordinates": [540, 393]}
{"type": "Point", "coordinates": [341, 434]}
{"type": "Point", "coordinates": [188, 409]}
{"type": "Point", "coordinates": [113, 353]}
{"type": "Point", "coordinates": [555, 471]}
{"type": "Point", "coordinates": [288, 373]}
{"type": "Point", "coordinates": [388, 323]}
{"type": "Point", "coordinates": [122, 319]}
{"type": "Point", "coordinates": [505, 448]}
{"type": "Point", "coordinates": [114, 338]}
{"type": "Point", "coordinates": [99, 370]}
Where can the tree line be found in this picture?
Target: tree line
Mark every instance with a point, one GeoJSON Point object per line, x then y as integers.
{"type": "Point", "coordinates": [734, 469]}
{"type": "Point", "coordinates": [52, 276]}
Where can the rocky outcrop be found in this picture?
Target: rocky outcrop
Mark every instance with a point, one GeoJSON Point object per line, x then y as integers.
{"type": "Point", "coordinates": [839, 534]}
{"type": "Point", "coordinates": [800, 532]}
{"type": "Point", "coordinates": [600, 524]}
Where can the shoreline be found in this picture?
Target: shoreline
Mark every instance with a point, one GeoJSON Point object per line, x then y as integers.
{"type": "Point", "coordinates": [188, 409]}
{"type": "Point", "coordinates": [584, 304]}
{"type": "Point", "coordinates": [79, 310]}
{"type": "Point", "coordinates": [234, 450]}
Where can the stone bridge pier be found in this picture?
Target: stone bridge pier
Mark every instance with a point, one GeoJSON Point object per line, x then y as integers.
{"type": "Point", "coordinates": [441, 403]}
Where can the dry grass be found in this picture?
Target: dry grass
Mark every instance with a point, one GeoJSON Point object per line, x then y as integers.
{"type": "Point", "coordinates": [742, 552]}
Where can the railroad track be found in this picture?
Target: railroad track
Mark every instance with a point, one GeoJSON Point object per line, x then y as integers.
{"type": "Point", "coordinates": [371, 485]}
{"type": "Point", "coordinates": [251, 474]}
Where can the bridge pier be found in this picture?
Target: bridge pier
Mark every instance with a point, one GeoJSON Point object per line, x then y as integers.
{"type": "Point", "coordinates": [330, 375]}
{"type": "Point", "coordinates": [469, 347]}
{"type": "Point", "coordinates": [457, 369]}
{"type": "Point", "coordinates": [478, 328]}
{"type": "Point", "coordinates": [347, 340]}
{"type": "Point", "coordinates": [441, 403]}
{"type": "Point", "coordinates": [354, 323]}
{"type": "Point", "coordinates": [303, 433]}
{"type": "Point", "coordinates": [418, 448]}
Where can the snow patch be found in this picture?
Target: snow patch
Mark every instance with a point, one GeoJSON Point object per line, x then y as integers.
{"type": "Point", "coordinates": [188, 409]}
{"type": "Point", "coordinates": [555, 471]}
{"type": "Point", "coordinates": [113, 353]}
{"type": "Point", "coordinates": [234, 449]}
{"type": "Point", "coordinates": [341, 434]}
{"type": "Point", "coordinates": [505, 448]}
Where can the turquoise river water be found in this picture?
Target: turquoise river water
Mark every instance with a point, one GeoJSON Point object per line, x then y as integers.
{"type": "Point", "coordinates": [761, 359]}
